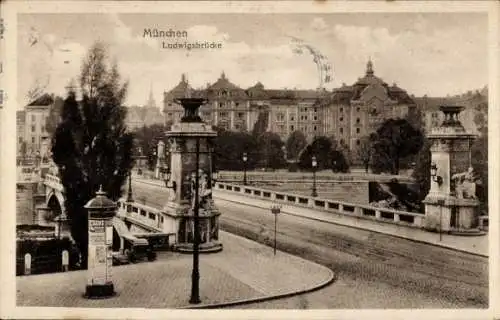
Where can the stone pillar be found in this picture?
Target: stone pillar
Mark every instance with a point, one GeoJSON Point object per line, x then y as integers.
{"type": "Point", "coordinates": [100, 212]}
{"type": "Point", "coordinates": [184, 137]}
{"type": "Point", "coordinates": [160, 159]}
{"type": "Point", "coordinates": [447, 207]}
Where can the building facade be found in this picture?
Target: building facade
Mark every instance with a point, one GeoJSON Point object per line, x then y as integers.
{"type": "Point", "coordinates": [35, 119]}
{"type": "Point", "coordinates": [347, 114]}
{"type": "Point", "coordinates": [354, 112]}
{"type": "Point", "coordinates": [475, 103]}
{"type": "Point", "coordinates": [20, 127]}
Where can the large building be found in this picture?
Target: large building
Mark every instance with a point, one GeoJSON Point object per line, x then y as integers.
{"type": "Point", "coordinates": [347, 114]}
{"type": "Point", "coordinates": [353, 112]}
{"type": "Point", "coordinates": [35, 119]}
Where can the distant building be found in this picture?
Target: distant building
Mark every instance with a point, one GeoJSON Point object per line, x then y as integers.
{"type": "Point", "coordinates": [21, 128]}
{"type": "Point", "coordinates": [353, 112]}
{"type": "Point", "coordinates": [137, 117]}
{"type": "Point", "coordinates": [36, 113]}
{"type": "Point", "coordinates": [346, 114]}
{"type": "Point", "coordinates": [474, 104]}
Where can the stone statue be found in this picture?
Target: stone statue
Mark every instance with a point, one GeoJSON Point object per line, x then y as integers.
{"type": "Point", "coordinates": [465, 184]}
{"type": "Point", "coordinates": [204, 190]}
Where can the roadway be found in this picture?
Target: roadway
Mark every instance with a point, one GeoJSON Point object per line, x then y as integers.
{"type": "Point", "coordinates": [374, 270]}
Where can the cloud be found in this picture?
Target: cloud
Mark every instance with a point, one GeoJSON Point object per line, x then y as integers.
{"type": "Point", "coordinates": [318, 24]}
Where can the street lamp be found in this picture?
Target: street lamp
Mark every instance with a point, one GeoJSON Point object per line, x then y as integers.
{"type": "Point", "coordinates": [245, 158]}
{"type": "Point", "coordinates": [275, 209]}
{"type": "Point", "coordinates": [434, 175]}
{"type": "Point", "coordinates": [314, 165]}
{"type": "Point", "coordinates": [195, 274]}
{"type": "Point", "coordinates": [168, 178]}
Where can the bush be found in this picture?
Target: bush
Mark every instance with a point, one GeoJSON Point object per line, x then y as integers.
{"type": "Point", "coordinates": [293, 167]}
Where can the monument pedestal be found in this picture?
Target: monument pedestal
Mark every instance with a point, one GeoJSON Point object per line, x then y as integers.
{"type": "Point", "coordinates": [208, 224]}
{"type": "Point", "coordinates": [450, 214]}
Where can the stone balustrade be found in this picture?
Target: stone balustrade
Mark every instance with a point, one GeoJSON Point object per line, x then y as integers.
{"type": "Point", "coordinates": [322, 176]}
{"type": "Point", "coordinates": [53, 181]}
{"type": "Point", "coordinates": [141, 214]}
{"type": "Point", "coordinates": [410, 219]}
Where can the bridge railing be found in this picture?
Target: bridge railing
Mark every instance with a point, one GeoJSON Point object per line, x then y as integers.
{"type": "Point", "coordinates": [231, 176]}
{"type": "Point", "coordinates": [386, 215]}
{"type": "Point", "coordinates": [145, 215]}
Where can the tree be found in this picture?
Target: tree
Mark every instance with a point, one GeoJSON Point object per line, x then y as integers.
{"type": "Point", "coordinates": [321, 148]}
{"type": "Point", "coordinates": [229, 148]}
{"type": "Point", "coordinates": [365, 150]}
{"type": "Point", "coordinates": [261, 124]}
{"type": "Point", "coordinates": [422, 171]}
{"type": "Point", "coordinates": [271, 150]}
{"type": "Point", "coordinates": [479, 155]}
{"type": "Point", "coordinates": [54, 117]}
{"type": "Point", "coordinates": [395, 139]}
{"type": "Point", "coordinates": [295, 143]}
{"type": "Point", "coordinates": [338, 162]}
{"type": "Point", "coordinates": [91, 146]}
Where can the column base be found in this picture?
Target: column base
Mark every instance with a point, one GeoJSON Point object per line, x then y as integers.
{"type": "Point", "coordinates": [211, 247]}
{"type": "Point", "coordinates": [100, 291]}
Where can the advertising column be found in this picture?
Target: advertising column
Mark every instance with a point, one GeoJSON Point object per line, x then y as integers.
{"type": "Point", "coordinates": [99, 281]}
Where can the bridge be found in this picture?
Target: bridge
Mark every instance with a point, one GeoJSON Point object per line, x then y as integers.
{"type": "Point", "coordinates": [145, 214]}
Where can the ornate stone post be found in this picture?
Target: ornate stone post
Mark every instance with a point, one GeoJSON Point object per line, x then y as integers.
{"type": "Point", "coordinates": [100, 212]}
{"type": "Point", "coordinates": [190, 142]}
{"type": "Point", "coordinates": [451, 203]}
{"type": "Point", "coordinates": [160, 160]}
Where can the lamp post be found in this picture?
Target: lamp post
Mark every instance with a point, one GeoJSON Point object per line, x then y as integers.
{"type": "Point", "coordinates": [275, 209]}
{"type": "Point", "coordinates": [195, 275]}
{"type": "Point", "coordinates": [314, 165]}
{"type": "Point", "coordinates": [245, 158]}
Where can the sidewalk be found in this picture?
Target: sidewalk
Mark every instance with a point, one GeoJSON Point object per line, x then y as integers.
{"type": "Point", "coordinates": [244, 271]}
{"type": "Point", "coordinates": [471, 244]}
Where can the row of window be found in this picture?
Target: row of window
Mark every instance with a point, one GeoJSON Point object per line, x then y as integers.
{"type": "Point", "coordinates": [358, 109]}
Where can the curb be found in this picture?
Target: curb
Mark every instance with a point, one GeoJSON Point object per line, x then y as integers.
{"type": "Point", "coordinates": [361, 228]}
{"type": "Point", "coordinates": [330, 280]}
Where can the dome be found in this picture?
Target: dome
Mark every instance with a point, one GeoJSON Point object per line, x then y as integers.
{"type": "Point", "coordinates": [100, 202]}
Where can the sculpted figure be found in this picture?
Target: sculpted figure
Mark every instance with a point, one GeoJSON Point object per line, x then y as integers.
{"type": "Point", "coordinates": [465, 184]}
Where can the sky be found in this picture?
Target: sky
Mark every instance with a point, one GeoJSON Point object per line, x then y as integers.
{"type": "Point", "coordinates": [424, 53]}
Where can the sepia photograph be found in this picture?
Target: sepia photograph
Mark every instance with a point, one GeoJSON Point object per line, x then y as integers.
{"type": "Point", "coordinates": [249, 157]}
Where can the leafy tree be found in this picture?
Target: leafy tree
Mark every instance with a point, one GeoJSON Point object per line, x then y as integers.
{"type": "Point", "coordinates": [261, 124]}
{"type": "Point", "coordinates": [422, 171]}
{"type": "Point", "coordinates": [338, 161]}
{"type": "Point", "coordinates": [229, 148]}
{"type": "Point", "coordinates": [395, 139]}
{"type": "Point", "coordinates": [365, 150]}
{"type": "Point", "coordinates": [54, 117]}
{"type": "Point", "coordinates": [321, 148]}
{"type": "Point", "coordinates": [91, 146]}
{"type": "Point", "coordinates": [295, 143]}
{"type": "Point", "coordinates": [271, 150]}
{"type": "Point", "coordinates": [479, 155]}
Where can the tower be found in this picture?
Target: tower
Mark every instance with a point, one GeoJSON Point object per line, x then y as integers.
{"type": "Point", "coordinates": [151, 100]}
{"type": "Point", "coordinates": [369, 67]}
{"type": "Point", "coordinates": [451, 204]}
